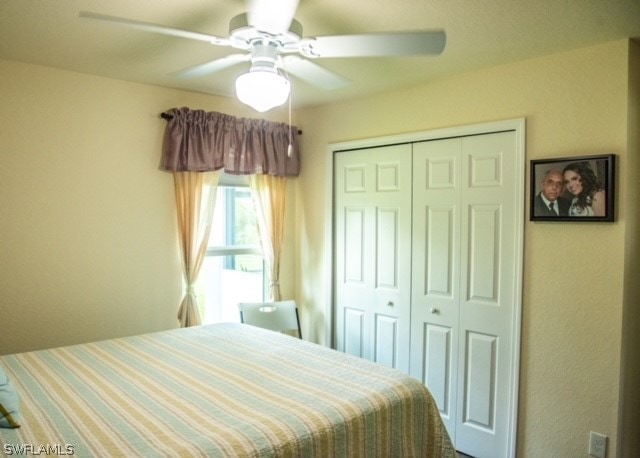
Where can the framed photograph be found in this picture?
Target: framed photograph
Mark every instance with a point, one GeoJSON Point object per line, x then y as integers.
{"type": "Point", "coordinates": [576, 189]}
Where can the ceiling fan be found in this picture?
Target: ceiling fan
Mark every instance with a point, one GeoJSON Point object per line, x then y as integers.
{"type": "Point", "coordinates": [272, 41]}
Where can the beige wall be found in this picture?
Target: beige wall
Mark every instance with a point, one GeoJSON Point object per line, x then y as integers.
{"type": "Point", "coordinates": [574, 103]}
{"type": "Point", "coordinates": [88, 227]}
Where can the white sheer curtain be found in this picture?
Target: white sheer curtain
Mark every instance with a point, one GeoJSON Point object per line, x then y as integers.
{"type": "Point", "coordinates": [195, 200]}
{"type": "Point", "coordinates": [269, 193]}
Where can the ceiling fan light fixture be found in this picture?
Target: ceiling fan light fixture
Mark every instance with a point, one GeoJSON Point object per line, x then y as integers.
{"type": "Point", "coordinates": [262, 89]}
{"type": "Point", "coordinates": [272, 42]}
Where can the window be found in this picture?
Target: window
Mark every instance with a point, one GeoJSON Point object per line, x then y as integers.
{"type": "Point", "coordinates": [233, 269]}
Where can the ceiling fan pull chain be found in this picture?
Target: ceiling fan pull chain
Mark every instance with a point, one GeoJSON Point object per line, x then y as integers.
{"type": "Point", "coordinates": [290, 147]}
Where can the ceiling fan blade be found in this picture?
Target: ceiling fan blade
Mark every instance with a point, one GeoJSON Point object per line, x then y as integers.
{"type": "Point", "coordinates": [271, 16]}
{"type": "Point", "coordinates": [154, 28]}
{"type": "Point", "coordinates": [212, 66]}
{"type": "Point", "coordinates": [375, 44]}
{"type": "Point", "coordinates": [313, 73]}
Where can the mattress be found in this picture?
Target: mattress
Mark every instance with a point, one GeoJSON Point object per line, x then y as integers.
{"type": "Point", "coordinates": [217, 390]}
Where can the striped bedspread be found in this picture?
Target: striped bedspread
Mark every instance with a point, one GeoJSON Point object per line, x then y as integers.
{"type": "Point", "coordinates": [218, 390]}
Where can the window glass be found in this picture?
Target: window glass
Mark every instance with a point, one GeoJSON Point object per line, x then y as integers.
{"type": "Point", "coordinates": [233, 270]}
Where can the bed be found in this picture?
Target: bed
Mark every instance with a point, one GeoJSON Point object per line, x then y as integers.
{"type": "Point", "coordinates": [218, 390]}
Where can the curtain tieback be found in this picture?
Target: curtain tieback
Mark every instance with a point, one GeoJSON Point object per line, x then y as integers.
{"type": "Point", "coordinates": [190, 290]}
{"type": "Point", "coordinates": [274, 283]}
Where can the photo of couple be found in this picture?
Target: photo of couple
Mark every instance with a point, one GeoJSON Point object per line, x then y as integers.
{"type": "Point", "coordinates": [569, 188]}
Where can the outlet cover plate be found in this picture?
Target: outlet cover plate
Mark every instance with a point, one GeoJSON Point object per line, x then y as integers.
{"type": "Point", "coordinates": [597, 445]}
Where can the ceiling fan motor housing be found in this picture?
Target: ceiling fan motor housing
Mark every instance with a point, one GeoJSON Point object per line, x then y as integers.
{"type": "Point", "coordinates": [244, 36]}
{"type": "Point", "coordinates": [264, 56]}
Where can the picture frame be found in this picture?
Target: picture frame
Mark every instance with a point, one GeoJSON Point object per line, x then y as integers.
{"type": "Point", "coordinates": [579, 189]}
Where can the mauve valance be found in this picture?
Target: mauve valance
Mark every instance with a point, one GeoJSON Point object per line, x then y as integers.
{"type": "Point", "coordinates": [199, 141]}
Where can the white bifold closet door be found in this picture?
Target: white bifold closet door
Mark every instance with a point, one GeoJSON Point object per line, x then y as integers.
{"type": "Point", "coordinates": [425, 252]}
{"type": "Point", "coordinates": [462, 301]}
{"type": "Point", "coordinates": [373, 268]}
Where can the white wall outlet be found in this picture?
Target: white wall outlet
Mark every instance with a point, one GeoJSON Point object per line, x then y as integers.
{"type": "Point", "coordinates": [597, 445]}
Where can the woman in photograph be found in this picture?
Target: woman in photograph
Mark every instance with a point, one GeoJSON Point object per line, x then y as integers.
{"type": "Point", "coordinates": [587, 191]}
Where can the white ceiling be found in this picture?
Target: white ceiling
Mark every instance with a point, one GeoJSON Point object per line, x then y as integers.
{"type": "Point", "coordinates": [480, 33]}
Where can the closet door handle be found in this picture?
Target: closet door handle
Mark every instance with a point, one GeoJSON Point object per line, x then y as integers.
{"type": "Point", "coordinates": [434, 310]}
{"type": "Point", "coordinates": [390, 304]}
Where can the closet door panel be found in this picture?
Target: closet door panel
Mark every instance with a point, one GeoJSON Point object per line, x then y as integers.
{"type": "Point", "coordinates": [387, 350]}
{"type": "Point", "coordinates": [438, 359]}
{"type": "Point", "coordinates": [387, 244]}
{"type": "Point", "coordinates": [354, 240]}
{"type": "Point", "coordinates": [353, 332]}
{"type": "Point", "coordinates": [386, 345]}
{"type": "Point", "coordinates": [483, 254]}
{"type": "Point", "coordinates": [480, 381]}
{"type": "Point", "coordinates": [435, 271]}
{"type": "Point", "coordinates": [373, 251]}
{"type": "Point", "coordinates": [488, 239]}
{"type": "Point", "coordinates": [440, 244]}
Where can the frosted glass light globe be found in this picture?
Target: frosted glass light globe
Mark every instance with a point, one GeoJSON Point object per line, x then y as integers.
{"type": "Point", "coordinates": [262, 90]}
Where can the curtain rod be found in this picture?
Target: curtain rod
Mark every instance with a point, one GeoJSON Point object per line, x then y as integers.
{"type": "Point", "coordinates": [167, 116]}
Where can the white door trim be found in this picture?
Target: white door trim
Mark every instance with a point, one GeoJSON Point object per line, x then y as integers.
{"type": "Point", "coordinates": [518, 126]}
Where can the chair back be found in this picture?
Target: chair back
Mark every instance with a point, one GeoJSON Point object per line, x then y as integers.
{"type": "Point", "coordinates": [280, 316]}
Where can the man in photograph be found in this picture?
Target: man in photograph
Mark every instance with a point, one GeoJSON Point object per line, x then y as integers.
{"type": "Point", "coordinates": [549, 201]}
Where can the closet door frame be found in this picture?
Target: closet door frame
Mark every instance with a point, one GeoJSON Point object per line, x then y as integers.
{"type": "Point", "coordinates": [516, 125]}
